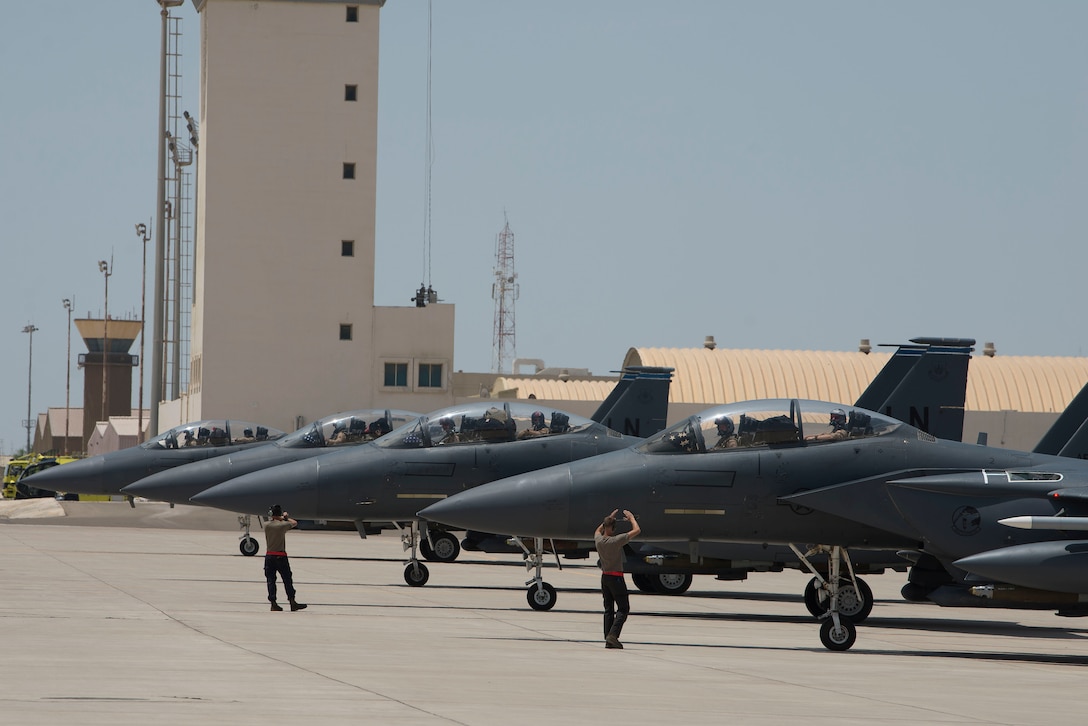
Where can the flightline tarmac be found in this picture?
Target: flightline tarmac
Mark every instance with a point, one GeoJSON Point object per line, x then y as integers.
{"type": "Point", "coordinates": [114, 615]}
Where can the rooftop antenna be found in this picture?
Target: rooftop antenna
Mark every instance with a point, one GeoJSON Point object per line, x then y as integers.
{"type": "Point", "coordinates": [426, 294]}
{"type": "Point", "coordinates": [504, 291]}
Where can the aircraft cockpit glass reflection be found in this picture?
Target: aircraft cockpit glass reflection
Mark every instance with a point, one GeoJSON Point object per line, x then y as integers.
{"type": "Point", "coordinates": [769, 424]}
{"type": "Point", "coordinates": [347, 428]}
{"type": "Point", "coordinates": [213, 432]}
{"type": "Point", "coordinates": [483, 422]}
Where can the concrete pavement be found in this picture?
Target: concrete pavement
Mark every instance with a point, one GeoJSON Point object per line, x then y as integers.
{"type": "Point", "coordinates": [141, 618]}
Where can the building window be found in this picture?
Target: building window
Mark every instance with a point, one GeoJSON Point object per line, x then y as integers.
{"type": "Point", "coordinates": [396, 375]}
{"type": "Point", "coordinates": [430, 375]}
{"type": "Point", "coordinates": [345, 332]}
{"type": "Point", "coordinates": [353, 13]}
{"type": "Point", "coordinates": [351, 92]}
{"type": "Point", "coordinates": [347, 248]}
{"type": "Point", "coordinates": [349, 171]}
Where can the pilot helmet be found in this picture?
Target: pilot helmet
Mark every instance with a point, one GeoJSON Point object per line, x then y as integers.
{"type": "Point", "coordinates": [725, 425]}
{"type": "Point", "coordinates": [446, 422]}
{"type": "Point", "coordinates": [838, 418]}
{"type": "Point", "coordinates": [538, 419]}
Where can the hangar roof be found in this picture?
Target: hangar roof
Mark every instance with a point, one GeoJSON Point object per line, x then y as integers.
{"type": "Point", "coordinates": [1041, 384]}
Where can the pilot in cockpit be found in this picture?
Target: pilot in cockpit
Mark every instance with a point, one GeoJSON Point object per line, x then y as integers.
{"type": "Point", "coordinates": [449, 431]}
{"type": "Point", "coordinates": [537, 427]}
{"type": "Point", "coordinates": [727, 436]}
{"type": "Point", "coordinates": [838, 430]}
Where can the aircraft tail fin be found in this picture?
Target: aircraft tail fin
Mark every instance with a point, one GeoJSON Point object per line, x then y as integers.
{"type": "Point", "coordinates": [639, 404]}
{"type": "Point", "coordinates": [890, 376]}
{"type": "Point", "coordinates": [1067, 436]}
{"type": "Point", "coordinates": [932, 393]}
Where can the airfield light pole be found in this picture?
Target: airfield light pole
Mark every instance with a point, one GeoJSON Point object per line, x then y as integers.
{"type": "Point", "coordinates": [106, 268]}
{"type": "Point", "coordinates": [68, 305]}
{"type": "Point", "coordinates": [30, 328]}
{"type": "Point", "coordinates": [141, 232]}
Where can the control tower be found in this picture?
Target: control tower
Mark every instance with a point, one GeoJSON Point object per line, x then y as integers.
{"type": "Point", "coordinates": [107, 369]}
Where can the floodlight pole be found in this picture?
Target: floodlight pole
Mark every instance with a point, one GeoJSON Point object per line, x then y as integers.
{"type": "Point", "coordinates": [141, 232]}
{"type": "Point", "coordinates": [30, 328]}
{"type": "Point", "coordinates": [68, 305]}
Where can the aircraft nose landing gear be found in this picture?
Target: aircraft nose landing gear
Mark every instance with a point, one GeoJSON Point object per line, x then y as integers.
{"type": "Point", "coordinates": [837, 632]}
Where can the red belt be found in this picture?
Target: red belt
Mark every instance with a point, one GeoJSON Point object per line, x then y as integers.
{"type": "Point", "coordinates": [615, 574]}
{"type": "Point", "coordinates": [276, 554]}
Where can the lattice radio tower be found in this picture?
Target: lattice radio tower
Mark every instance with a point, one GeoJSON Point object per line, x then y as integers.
{"type": "Point", "coordinates": [504, 291]}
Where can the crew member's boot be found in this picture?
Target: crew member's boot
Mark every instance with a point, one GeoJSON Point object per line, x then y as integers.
{"type": "Point", "coordinates": [296, 606]}
{"type": "Point", "coordinates": [276, 608]}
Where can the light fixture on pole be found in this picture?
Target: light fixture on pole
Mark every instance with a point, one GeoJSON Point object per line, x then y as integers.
{"type": "Point", "coordinates": [145, 236]}
{"type": "Point", "coordinates": [106, 268]}
{"type": "Point", "coordinates": [68, 305]}
{"type": "Point", "coordinates": [30, 328]}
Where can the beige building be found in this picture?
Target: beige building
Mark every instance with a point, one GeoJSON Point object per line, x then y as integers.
{"type": "Point", "coordinates": [284, 326]}
{"type": "Point", "coordinates": [1012, 399]}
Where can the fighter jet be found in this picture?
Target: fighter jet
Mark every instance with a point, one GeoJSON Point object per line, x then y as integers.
{"type": "Point", "coordinates": [194, 441]}
{"type": "Point", "coordinates": [815, 476]}
{"type": "Point", "coordinates": [349, 428]}
{"type": "Point", "coordinates": [924, 383]}
{"type": "Point", "coordinates": [384, 483]}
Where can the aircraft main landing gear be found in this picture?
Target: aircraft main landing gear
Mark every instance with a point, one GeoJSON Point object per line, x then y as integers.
{"type": "Point", "coordinates": [842, 594]}
{"type": "Point", "coordinates": [440, 547]}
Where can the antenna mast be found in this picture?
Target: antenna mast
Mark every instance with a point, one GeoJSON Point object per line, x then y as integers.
{"type": "Point", "coordinates": [504, 291]}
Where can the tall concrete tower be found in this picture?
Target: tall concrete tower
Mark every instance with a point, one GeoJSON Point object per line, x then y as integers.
{"type": "Point", "coordinates": [284, 327]}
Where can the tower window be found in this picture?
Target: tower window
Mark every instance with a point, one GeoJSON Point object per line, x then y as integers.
{"type": "Point", "coordinates": [430, 375]}
{"type": "Point", "coordinates": [347, 248]}
{"type": "Point", "coordinates": [349, 171]}
{"type": "Point", "coordinates": [345, 332]}
{"type": "Point", "coordinates": [353, 14]}
{"type": "Point", "coordinates": [351, 92]}
{"type": "Point", "coordinates": [396, 375]}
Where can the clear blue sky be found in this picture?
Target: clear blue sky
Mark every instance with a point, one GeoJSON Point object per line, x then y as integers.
{"type": "Point", "coordinates": [779, 175]}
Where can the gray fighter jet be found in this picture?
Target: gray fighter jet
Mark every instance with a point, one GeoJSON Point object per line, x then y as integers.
{"type": "Point", "coordinates": [384, 483]}
{"type": "Point", "coordinates": [350, 428]}
{"type": "Point", "coordinates": [194, 441]}
{"type": "Point", "coordinates": [818, 477]}
{"type": "Point", "coordinates": [924, 383]}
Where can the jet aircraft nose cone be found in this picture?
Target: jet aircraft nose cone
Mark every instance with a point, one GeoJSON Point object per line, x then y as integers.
{"type": "Point", "coordinates": [180, 484]}
{"type": "Point", "coordinates": [81, 477]}
{"type": "Point", "coordinates": [292, 486]}
{"type": "Point", "coordinates": [536, 504]}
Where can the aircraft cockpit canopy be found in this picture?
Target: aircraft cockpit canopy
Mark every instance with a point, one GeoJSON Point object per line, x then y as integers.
{"type": "Point", "coordinates": [351, 427]}
{"type": "Point", "coordinates": [769, 423]}
{"type": "Point", "coordinates": [486, 421]}
{"type": "Point", "coordinates": [213, 432]}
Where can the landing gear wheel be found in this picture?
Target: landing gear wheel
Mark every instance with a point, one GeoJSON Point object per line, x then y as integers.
{"type": "Point", "coordinates": [541, 597]}
{"type": "Point", "coordinates": [812, 598]}
{"type": "Point", "coordinates": [249, 546]}
{"type": "Point", "coordinates": [838, 638]}
{"type": "Point", "coordinates": [445, 548]}
{"type": "Point", "coordinates": [672, 584]}
{"type": "Point", "coordinates": [644, 583]}
{"type": "Point", "coordinates": [855, 603]}
{"type": "Point", "coordinates": [416, 574]}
